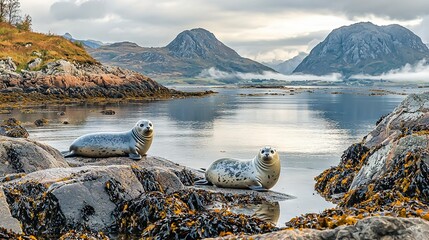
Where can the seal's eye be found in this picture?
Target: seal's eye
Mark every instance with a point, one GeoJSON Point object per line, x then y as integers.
{"type": "Point", "coordinates": [141, 125]}
{"type": "Point", "coordinates": [272, 151]}
{"type": "Point", "coordinates": [262, 151]}
{"type": "Point", "coordinates": [150, 124]}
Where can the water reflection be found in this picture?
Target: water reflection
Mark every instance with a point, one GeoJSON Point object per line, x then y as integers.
{"type": "Point", "coordinates": [310, 131]}
{"type": "Point", "coordinates": [269, 212]}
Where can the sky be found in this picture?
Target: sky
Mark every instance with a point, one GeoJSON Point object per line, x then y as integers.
{"type": "Point", "coordinates": [262, 30]}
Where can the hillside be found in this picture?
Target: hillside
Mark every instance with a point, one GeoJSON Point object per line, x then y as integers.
{"type": "Point", "coordinates": [364, 48]}
{"type": "Point", "coordinates": [35, 68]}
{"type": "Point", "coordinates": [187, 55]}
{"type": "Point", "coordinates": [24, 46]}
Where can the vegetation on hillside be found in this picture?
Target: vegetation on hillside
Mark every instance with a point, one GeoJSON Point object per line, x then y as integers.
{"type": "Point", "coordinates": [18, 42]}
{"type": "Point", "coordinates": [24, 46]}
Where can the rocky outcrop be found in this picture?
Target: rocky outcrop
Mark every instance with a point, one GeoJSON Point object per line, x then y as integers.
{"type": "Point", "coordinates": [386, 174]}
{"type": "Point", "coordinates": [65, 79]}
{"type": "Point", "coordinates": [364, 48]}
{"type": "Point", "coordinates": [368, 228]}
{"type": "Point", "coordinates": [149, 198]}
{"type": "Point", "coordinates": [12, 128]}
{"type": "Point", "coordinates": [26, 156]}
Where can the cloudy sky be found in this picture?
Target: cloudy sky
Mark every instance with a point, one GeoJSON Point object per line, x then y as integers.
{"type": "Point", "coordinates": [262, 30]}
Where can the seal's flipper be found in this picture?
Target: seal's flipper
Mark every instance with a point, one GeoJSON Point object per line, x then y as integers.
{"type": "Point", "coordinates": [135, 156]}
{"type": "Point", "coordinates": [258, 188]}
{"type": "Point", "coordinates": [68, 154]}
{"type": "Point", "coordinates": [203, 182]}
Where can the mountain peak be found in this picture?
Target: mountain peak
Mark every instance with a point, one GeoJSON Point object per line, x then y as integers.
{"type": "Point", "coordinates": [199, 43]}
{"type": "Point", "coordinates": [364, 48]}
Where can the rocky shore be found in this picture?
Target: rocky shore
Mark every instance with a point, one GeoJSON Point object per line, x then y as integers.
{"type": "Point", "coordinates": [43, 195]}
{"type": "Point", "coordinates": [380, 185]}
{"type": "Point", "coordinates": [63, 81]}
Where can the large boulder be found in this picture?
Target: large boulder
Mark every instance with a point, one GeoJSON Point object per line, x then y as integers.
{"type": "Point", "coordinates": [18, 155]}
{"type": "Point", "coordinates": [386, 173]}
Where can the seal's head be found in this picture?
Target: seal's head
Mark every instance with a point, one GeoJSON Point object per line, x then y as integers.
{"type": "Point", "coordinates": [144, 127]}
{"type": "Point", "coordinates": [268, 155]}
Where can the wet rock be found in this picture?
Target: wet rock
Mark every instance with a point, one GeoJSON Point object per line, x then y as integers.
{"type": "Point", "coordinates": [386, 174]}
{"type": "Point", "coordinates": [108, 112]}
{"type": "Point", "coordinates": [368, 228]}
{"type": "Point", "coordinates": [25, 156]}
{"type": "Point", "coordinates": [41, 122]}
{"type": "Point", "coordinates": [69, 198]}
{"type": "Point", "coordinates": [6, 219]}
{"type": "Point", "coordinates": [12, 128]}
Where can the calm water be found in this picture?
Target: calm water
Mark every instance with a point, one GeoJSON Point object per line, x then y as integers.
{"type": "Point", "coordinates": [309, 129]}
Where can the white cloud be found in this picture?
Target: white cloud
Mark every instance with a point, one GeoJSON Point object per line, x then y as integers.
{"type": "Point", "coordinates": [217, 74]}
{"type": "Point", "coordinates": [408, 73]}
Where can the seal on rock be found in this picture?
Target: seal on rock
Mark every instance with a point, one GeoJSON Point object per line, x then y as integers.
{"type": "Point", "coordinates": [134, 143]}
{"type": "Point", "coordinates": [260, 173]}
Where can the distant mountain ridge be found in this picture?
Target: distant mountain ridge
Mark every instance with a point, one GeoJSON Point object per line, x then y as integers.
{"type": "Point", "coordinates": [191, 52]}
{"type": "Point", "coordinates": [364, 48]}
{"type": "Point", "coordinates": [288, 66]}
{"type": "Point", "coordinates": [85, 43]}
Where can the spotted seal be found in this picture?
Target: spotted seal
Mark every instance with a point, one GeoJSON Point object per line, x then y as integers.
{"type": "Point", "coordinates": [260, 173]}
{"type": "Point", "coordinates": [134, 143]}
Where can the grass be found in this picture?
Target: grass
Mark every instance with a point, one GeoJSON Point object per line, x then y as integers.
{"type": "Point", "coordinates": [24, 46]}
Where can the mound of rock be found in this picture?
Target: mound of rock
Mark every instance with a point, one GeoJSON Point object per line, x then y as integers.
{"type": "Point", "coordinates": [385, 174]}
{"type": "Point", "coordinates": [63, 80]}
{"type": "Point", "coordinates": [20, 155]}
{"type": "Point", "coordinates": [12, 128]}
{"type": "Point", "coordinates": [44, 196]}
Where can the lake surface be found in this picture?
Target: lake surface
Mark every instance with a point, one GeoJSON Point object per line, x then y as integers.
{"type": "Point", "coordinates": [310, 128]}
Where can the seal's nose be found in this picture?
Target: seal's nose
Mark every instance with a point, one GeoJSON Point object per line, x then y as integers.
{"type": "Point", "coordinates": [267, 154]}
{"type": "Point", "coordinates": [148, 128]}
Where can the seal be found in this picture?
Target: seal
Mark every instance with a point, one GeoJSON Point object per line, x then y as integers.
{"type": "Point", "coordinates": [260, 173]}
{"type": "Point", "coordinates": [134, 143]}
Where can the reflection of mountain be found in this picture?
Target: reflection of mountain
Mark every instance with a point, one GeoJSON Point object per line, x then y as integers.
{"type": "Point", "coordinates": [202, 110]}
{"type": "Point", "coordinates": [350, 110]}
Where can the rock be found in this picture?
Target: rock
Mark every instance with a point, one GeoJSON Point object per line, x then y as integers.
{"type": "Point", "coordinates": [7, 65]}
{"type": "Point", "coordinates": [35, 63]}
{"type": "Point", "coordinates": [26, 156]}
{"type": "Point", "coordinates": [41, 122]}
{"type": "Point", "coordinates": [12, 128]}
{"type": "Point", "coordinates": [108, 112]}
{"type": "Point", "coordinates": [6, 219]}
{"type": "Point", "coordinates": [386, 174]}
{"type": "Point", "coordinates": [185, 175]}
{"type": "Point", "coordinates": [368, 228]}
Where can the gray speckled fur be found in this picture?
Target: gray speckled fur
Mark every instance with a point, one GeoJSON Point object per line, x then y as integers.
{"type": "Point", "coordinates": [134, 143]}
{"type": "Point", "coordinates": [260, 171]}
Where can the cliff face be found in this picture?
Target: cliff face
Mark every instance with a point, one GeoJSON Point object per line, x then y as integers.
{"type": "Point", "coordinates": [364, 48]}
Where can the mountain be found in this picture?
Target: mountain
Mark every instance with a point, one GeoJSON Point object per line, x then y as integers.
{"type": "Point", "coordinates": [364, 48]}
{"type": "Point", "coordinates": [191, 52]}
{"type": "Point", "coordinates": [287, 66]}
{"type": "Point", "coordinates": [85, 43]}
